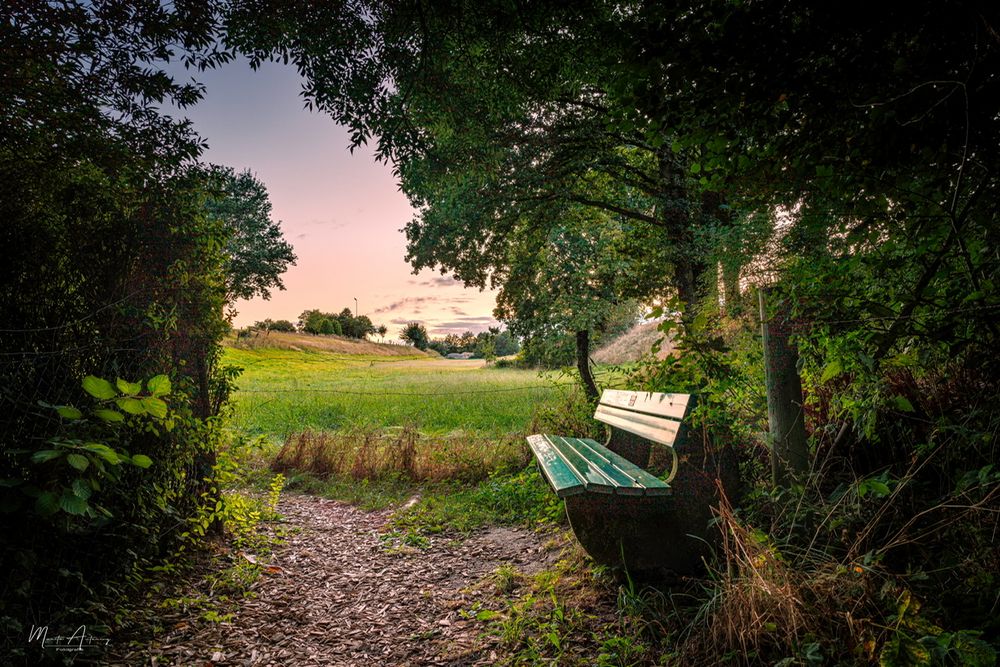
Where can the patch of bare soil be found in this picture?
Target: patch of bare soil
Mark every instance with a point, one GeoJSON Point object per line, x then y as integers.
{"type": "Point", "coordinates": [335, 594]}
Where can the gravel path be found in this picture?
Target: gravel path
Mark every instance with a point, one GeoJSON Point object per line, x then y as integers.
{"type": "Point", "coordinates": [334, 594]}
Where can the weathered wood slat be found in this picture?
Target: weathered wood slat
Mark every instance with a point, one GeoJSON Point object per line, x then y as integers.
{"type": "Point", "coordinates": [593, 480]}
{"type": "Point", "coordinates": [674, 406]}
{"type": "Point", "coordinates": [612, 480]}
{"type": "Point", "coordinates": [648, 484]}
{"type": "Point", "coordinates": [557, 472]}
{"type": "Point", "coordinates": [657, 429]}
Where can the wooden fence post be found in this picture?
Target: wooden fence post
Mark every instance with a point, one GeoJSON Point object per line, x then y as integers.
{"type": "Point", "coordinates": [789, 452]}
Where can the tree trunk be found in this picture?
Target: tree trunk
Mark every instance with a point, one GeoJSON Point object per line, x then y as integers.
{"type": "Point", "coordinates": [789, 451]}
{"type": "Point", "coordinates": [206, 460]}
{"type": "Point", "coordinates": [688, 275]}
{"type": "Point", "coordinates": [731, 288]}
{"type": "Point", "coordinates": [583, 364]}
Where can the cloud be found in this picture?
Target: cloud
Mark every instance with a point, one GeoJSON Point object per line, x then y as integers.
{"type": "Point", "coordinates": [437, 281]}
{"type": "Point", "coordinates": [463, 324]}
{"type": "Point", "coordinates": [408, 301]}
{"type": "Point", "coordinates": [458, 311]}
{"type": "Point", "coordinates": [329, 223]}
{"type": "Point", "coordinates": [441, 281]}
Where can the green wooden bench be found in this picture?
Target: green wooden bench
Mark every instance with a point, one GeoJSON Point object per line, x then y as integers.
{"type": "Point", "coordinates": [622, 514]}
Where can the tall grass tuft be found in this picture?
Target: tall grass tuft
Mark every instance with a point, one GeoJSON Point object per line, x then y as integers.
{"type": "Point", "coordinates": [756, 608]}
{"type": "Point", "coordinates": [406, 453]}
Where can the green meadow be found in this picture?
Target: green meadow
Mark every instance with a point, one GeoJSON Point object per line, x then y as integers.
{"type": "Point", "coordinates": [282, 392]}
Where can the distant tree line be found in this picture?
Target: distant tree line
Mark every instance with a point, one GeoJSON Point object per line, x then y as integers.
{"type": "Point", "coordinates": [269, 325]}
{"type": "Point", "coordinates": [344, 323]}
{"type": "Point", "coordinates": [487, 344]}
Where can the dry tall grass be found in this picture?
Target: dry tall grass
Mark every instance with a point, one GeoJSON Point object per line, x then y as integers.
{"type": "Point", "coordinates": [279, 340]}
{"type": "Point", "coordinates": [371, 453]}
{"type": "Point", "coordinates": [632, 345]}
{"type": "Point", "coordinates": [764, 610]}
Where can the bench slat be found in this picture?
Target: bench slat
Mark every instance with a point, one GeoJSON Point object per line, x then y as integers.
{"type": "Point", "coordinates": [577, 465]}
{"type": "Point", "coordinates": [603, 477]}
{"type": "Point", "coordinates": [647, 484]}
{"type": "Point", "coordinates": [673, 406]}
{"type": "Point", "coordinates": [657, 429]}
{"type": "Point", "coordinates": [558, 473]}
{"type": "Point", "coordinates": [587, 472]}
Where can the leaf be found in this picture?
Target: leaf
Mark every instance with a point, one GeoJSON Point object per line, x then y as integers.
{"type": "Point", "coordinates": [109, 415]}
{"type": "Point", "coordinates": [902, 403]}
{"type": "Point", "coordinates": [44, 455]}
{"type": "Point", "coordinates": [142, 460]}
{"type": "Point", "coordinates": [154, 406]}
{"type": "Point", "coordinates": [133, 406]}
{"type": "Point", "coordinates": [879, 488]}
{"type": "Point", "coordinates": [98, 388]}
{"type": "Point", "coordinates": [47, 503]}
{"type": "Point", "coordinates": [129, 388]}
{"type": "Point", "coordinates": [72, 504]}
{"type": "Point", "coordinates": [68, 412]}
{"type": "Point", "coordinates": [695, 167]}
{"type": "Point", "coordinates": [105, 452]}
{"type": "Point", "coordinates": [81, 488]}
{"type": "Point", "coordinates": [78, 461]}
{"type": "Point", "coordinates": [832, 370]}
{"type": "Point", "coordinates": [158, 385]}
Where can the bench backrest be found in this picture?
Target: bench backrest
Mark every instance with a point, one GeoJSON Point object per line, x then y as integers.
{"type": "Point", "coordinates": [654, 416]}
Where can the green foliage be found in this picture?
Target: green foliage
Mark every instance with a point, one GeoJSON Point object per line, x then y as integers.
{"type": "Point", "coordinates": [256, 252]}
{"type": "Point", "coordinates": [342, 324]}
{"type": "Point", "coordinates": [269, 325]}
{"type": "Point", "coordinates": [487, 344]}
{"type": "Point", "coordinates": [415, 334]}
{"type": "Point", "coordinates": [84, 447]}
{"type": "Point", "coordinates": [114, 271]}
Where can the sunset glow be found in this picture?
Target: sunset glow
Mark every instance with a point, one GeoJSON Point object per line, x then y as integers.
{"type": "Point", "coordinates": [343, 212]}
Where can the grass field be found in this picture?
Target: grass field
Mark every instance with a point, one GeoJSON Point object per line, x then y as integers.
{"type": "Point", "coordinates": [285, 391]}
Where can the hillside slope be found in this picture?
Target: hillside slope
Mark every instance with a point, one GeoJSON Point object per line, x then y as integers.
{"type": "Point", "coordinates": [630, 346]}
{"type": "Point", "coordinates": [338, 344]}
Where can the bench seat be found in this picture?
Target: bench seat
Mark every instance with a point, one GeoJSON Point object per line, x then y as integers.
{"type": "Point", "coordinates": [573, 466]}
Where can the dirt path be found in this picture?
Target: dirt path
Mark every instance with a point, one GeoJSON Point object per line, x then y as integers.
{"type": "Point", "coordinates": [341, 597]}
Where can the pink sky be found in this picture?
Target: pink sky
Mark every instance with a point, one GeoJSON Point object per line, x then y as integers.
{"type": "Point", "coordinates": [342, 212]}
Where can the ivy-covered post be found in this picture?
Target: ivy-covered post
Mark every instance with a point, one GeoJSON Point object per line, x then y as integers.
{"type": "Point", "coordinates": [789, 453]}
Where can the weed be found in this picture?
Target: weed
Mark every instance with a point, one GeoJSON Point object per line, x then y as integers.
{"type": "Point", "coordinates": [212, 616]}
{"type": "Point", "coordinates": [503, 499]}
{"type": "Point", "coordinates": [506, 578]}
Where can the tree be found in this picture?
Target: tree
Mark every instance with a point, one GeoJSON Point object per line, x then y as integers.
{"type": "Point", "coordinates": [256, 249]}
{"type": "Point", "coordinates": [506, 344]}
{"type": "Point", "coordinates": [311, 321]}
{"type": "Point", "coordinates": [415, 334]}
{"type": "Point", "coordinates": [479, 150]}
{"type": "Point", "coordinates": [567, 280]}
{"type": "Point", "coordinates": [382, 330]}
{"type": "Point", "coordinates": [111, 268]}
